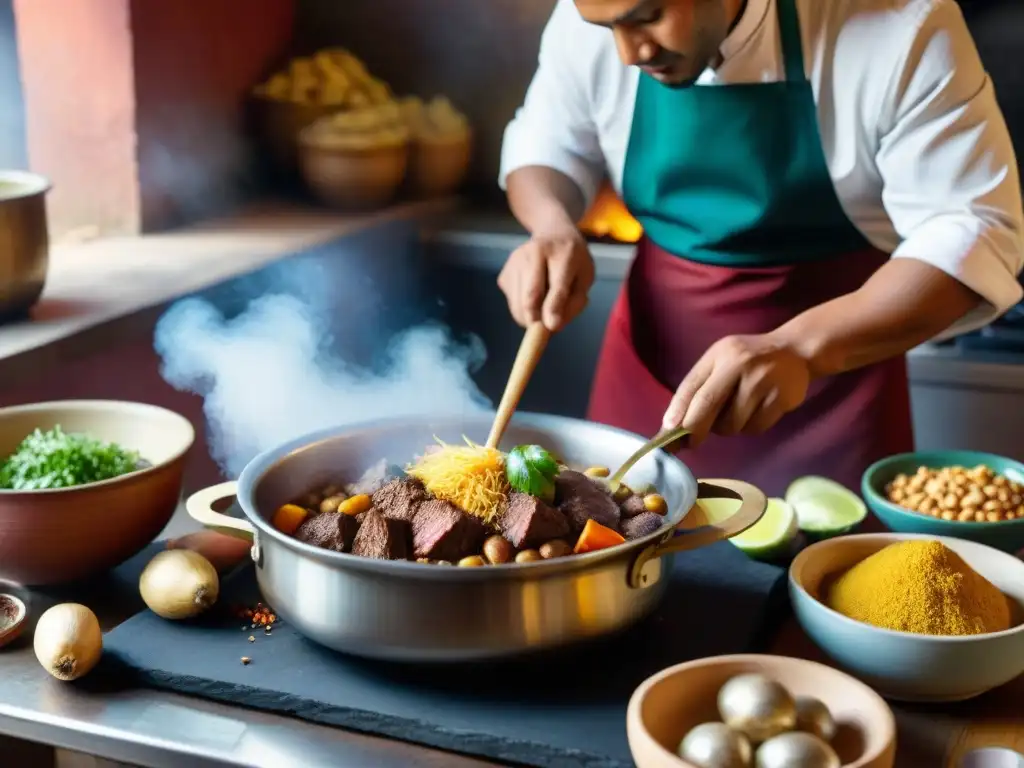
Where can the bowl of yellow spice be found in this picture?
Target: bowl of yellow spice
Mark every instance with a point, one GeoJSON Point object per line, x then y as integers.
{"type": "Point", "coordinates": [918, 618]}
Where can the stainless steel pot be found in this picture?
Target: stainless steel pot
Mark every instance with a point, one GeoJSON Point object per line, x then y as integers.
{"type": "Point", "coordinates": [24, 243]}
{"type": "Point", "coordinates": [416, 612]}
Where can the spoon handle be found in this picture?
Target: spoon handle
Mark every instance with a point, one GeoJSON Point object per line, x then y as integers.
{"type": "Point", "coordinates": [530, 349]}
{"type": "Point", "coordinates": [660, 440]}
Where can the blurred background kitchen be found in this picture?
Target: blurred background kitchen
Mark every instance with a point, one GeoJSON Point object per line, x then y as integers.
{"type": "Point", "coordinates": [153, 117]}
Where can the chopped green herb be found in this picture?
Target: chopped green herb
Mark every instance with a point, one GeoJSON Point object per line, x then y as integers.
{"type": "Point", "coordinates": [531, 469]}
{"type": "Point", "coordinates": [56, 459]}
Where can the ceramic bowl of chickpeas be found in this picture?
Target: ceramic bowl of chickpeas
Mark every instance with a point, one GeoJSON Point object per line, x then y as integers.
{"type": "Point", "coordinates": [964, 494]}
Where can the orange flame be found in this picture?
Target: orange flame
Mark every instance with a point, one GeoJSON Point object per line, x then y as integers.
{"type": "Point", "coordinates": [608, 217]}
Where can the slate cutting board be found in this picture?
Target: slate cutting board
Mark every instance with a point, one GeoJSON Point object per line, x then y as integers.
{"type": "Point", "coordinates": [564, 709]}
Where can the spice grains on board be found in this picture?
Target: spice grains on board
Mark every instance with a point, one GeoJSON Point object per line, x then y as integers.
{"type": "Point", "coordinates": [920, 586]}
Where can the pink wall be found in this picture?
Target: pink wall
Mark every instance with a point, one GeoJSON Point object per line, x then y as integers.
{"type": "Point", "coordinates": [134, 108]}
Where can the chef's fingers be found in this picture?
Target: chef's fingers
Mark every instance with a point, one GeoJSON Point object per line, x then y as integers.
{"type": "Point", "coordinates": [708, 401]}
{"type": "Point", "coordinates": [751, 392]}
{"type": "Point", "coordinates": [508, 283]}
{"type": "Point", "coordinates": [685, 392]}
{"type": "Point", "coordinates": [767, 415]}
{"type": "Point", "coordinates": [576, 304]}
{"type": "Point", "coordinates": [533, 285]}
{"type": "Point", "coordinates": [560, 279]}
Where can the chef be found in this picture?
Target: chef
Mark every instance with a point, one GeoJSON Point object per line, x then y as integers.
{"type": "Point", "coordinates": [822, 186]}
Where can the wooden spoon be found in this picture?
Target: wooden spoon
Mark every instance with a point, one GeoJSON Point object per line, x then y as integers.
{"type": "Point", "coordinates": [12, 618]}
{"type": "Point", "coordinates": [530, 349]}
{"type": "Point", "coordinates": [660, 440]}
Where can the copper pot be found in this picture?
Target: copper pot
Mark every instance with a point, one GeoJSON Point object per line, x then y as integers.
{"type": "Point", "coordinates": [24, 243]}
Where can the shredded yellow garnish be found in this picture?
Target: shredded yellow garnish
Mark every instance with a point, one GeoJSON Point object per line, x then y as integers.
{"type": "Point", "coordinates": [472, 477]}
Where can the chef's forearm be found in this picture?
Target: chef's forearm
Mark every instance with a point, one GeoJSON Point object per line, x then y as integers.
{"type": "Point", "coordinates": [544, 200]}
{"type": "Point", "coordinates": [904, 304]}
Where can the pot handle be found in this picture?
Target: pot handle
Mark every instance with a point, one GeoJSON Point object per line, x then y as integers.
{"type": "Point", "coordinates": [200, 508]}
{"type": "Point", "coordinates": [752, 506]}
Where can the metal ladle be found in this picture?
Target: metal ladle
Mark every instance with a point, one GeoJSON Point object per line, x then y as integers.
{"type": "Point", "coordinates": [660, 440]}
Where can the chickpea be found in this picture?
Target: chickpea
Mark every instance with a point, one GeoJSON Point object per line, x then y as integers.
{"type": "Point", "coordinates": [331, 503]}
{"type": "Point", "coordinates": [497, 550]}
{"type": "Point", "coordinates": [655, 502]}
{"type": "Point", "coordinates": [330, 490]}
{"type": "Point", "coordinates": [355, 505]}
{"type": "Point", "coordinates": [528, 556]}
{"type": "Point", "coordinates": [423, 560]}
{"type": "Point", "coordinates": [473, 561]}
{"type": "Point", "coordinates": [597, 472]}
{"type": "Point", "coordinates": [444, 562]}
{"type": "Point", "coordinates": [622, 493]}
{"type": "Point", "coordinates": [310, 501]}
{"type": "Point", "coordinates": [958, 493]}
{"type": "Point", "coordinates": [554, 548]}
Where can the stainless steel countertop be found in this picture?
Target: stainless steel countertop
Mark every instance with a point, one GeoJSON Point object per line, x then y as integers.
{"type": "Point", "coordinates": [154, 728]}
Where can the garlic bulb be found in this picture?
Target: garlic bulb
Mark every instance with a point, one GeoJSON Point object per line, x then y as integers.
{"type": "Point", "coordinates": [68, 641]}
{"type": "Point", "coordinates": [178, 584]}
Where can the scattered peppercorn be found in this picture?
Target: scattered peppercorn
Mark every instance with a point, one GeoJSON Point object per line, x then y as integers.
{"type": "Point", "coordinates": [246, 660]}
{"type": "Point", "coordinates": [252, 639]}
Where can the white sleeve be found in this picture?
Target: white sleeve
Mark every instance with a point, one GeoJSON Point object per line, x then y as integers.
{"type": "Point", "coordinates": [951, 185]}
{"type": "Point", "coordinates": [554, 127]}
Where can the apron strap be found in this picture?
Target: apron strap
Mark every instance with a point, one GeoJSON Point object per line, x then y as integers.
{"type": "Point", "coordinates": [792, 47]}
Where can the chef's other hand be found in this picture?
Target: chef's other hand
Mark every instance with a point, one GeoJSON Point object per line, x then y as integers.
{"type": "Point", "coordinates": [547, 279]}
{"type": "Point", "coordinates": [742, 384]}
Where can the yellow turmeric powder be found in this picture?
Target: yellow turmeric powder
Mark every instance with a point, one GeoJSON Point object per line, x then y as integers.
{"type": "Point", "coordinates": [920, 586]}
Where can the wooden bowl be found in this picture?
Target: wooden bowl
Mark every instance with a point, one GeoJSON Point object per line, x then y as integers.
{"type": "Point", "coordinates": [902, 665]}
{"type": "Point", "coordinates": [65, 534]}
{"type": "Point", "coordinates": [666, 706]}
{"type": "Point", "coordinates": [353, 179]}
{"type": "Point", "coordinates": [437, 167]}
{"type": "Point", "coordinates": [1005, 535]}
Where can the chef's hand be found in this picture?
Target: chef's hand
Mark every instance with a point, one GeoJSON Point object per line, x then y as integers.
{"type": "Point", "coordinates": [547, 279]}
{"type": "Point", "coordinates": [742, 384]}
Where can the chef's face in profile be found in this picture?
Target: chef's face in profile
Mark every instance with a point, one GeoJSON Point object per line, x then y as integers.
{"type": "Point", "coordinates": [673, 41]}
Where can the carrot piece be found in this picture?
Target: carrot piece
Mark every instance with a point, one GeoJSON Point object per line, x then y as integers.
{"type": "Point", "coordinates": [288, 518]}
{"type": "Point", "coordinates": [596, 536]}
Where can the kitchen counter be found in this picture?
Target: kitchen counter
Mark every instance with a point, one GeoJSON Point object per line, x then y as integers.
{"type": "Point", "coordinates": [153, 728]}
{"type": "Point", "coordinates": [94, 289]}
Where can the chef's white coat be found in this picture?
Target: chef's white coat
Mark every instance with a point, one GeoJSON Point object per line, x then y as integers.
{"type": "Point", "coordinates": [915, 142]}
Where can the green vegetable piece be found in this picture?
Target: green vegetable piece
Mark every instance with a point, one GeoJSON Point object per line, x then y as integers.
{"type": "Point", "coordinates": [56, 459]}
{"type": "Point", "coordinates": [531, 469]}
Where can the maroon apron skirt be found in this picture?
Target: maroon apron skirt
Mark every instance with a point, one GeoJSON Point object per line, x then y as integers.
{"type": "Point", "coordinates": [671, 310]}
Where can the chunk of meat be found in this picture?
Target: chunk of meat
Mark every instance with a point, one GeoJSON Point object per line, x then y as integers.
{"type": "Point", "coordinates": [329, 530]}
{"type": "Point", "coordinates": [632, 506]}
{"type": "Point", "coordinates": [581, 499]}
{"type": "Point", "coordinates": [441, 531]}
{"type": "Point", "coordinates": [399, 499]}
{"type": "Point", "coordinates": [641, 525]}
{"type": "Point", "coordinates": [382, 538]}
{"type": "Point", "coordinates": [528, 522]}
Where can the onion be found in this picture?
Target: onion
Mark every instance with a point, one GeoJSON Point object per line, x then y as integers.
{"type": "Point", "coordinates": [68, 641]}
{"type": "Point", "coordinates": [179, 584]}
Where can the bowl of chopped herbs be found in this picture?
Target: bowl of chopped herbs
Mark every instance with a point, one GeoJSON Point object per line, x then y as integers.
{"type": "Point", "coordinates": [85, 484]}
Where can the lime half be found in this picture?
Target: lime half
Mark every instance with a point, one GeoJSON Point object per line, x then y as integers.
{"type": "Point", "coordinates": [771, 536]}
{"type": "Point", "coordinates": [824, 508]}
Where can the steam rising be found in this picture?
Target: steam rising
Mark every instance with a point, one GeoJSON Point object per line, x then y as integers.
{"type": "Point", "coordinates": [268, 375]}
